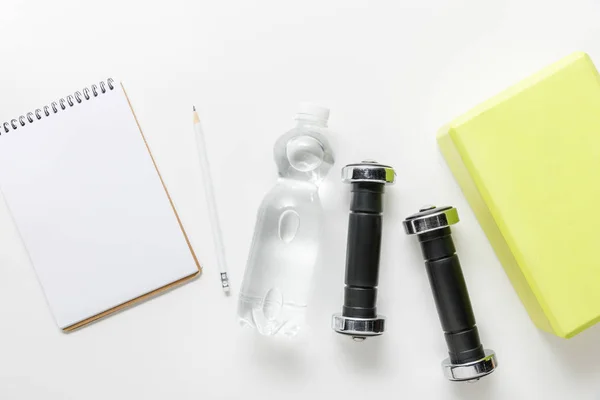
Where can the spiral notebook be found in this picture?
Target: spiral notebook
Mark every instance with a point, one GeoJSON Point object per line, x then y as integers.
{"type": "Point", "coordinates": [90, 206]}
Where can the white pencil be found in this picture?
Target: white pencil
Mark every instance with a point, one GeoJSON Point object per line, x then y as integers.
{"type": "Point", "coordinates": [210, 199]}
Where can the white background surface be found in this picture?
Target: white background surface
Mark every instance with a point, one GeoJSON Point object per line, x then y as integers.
{"type": "Point", "coordinates": [392, 73]}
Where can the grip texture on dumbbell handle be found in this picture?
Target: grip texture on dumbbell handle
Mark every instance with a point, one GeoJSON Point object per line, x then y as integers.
{"type": "Point", "coordinates": [363, 250]}
{"type": "Point", "coordinates": [451, 296]}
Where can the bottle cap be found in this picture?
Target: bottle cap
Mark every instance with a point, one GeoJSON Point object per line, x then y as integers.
{"type": "Point", "coordinates": [312, 112]}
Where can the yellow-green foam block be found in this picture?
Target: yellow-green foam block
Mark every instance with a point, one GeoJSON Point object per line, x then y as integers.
{"type": "Point", "coordinates": [528, 162]}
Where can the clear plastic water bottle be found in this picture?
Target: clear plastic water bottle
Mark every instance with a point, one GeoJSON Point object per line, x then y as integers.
{"type": "Point", "coordinates": [284, 250]}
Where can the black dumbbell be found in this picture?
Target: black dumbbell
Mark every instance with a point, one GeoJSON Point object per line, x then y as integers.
{"type": "Point", "coordinates": [359, 317]}
{"type": "Point", "coordinates": [468, 360]}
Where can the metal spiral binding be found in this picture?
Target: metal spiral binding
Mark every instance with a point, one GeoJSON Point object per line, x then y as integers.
{"type": "Point", "coordinates": [55, 107]}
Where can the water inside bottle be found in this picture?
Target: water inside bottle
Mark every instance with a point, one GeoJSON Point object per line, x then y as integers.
{"type": "Point", "coordinates": [285, 246]}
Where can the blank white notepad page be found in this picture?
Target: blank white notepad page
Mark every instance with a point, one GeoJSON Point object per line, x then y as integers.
{"type": "Point", "coordinates": [91, 209]}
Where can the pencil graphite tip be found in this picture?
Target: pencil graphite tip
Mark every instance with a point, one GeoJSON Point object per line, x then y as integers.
{"type": "Point", "coordinates": [194, 107]}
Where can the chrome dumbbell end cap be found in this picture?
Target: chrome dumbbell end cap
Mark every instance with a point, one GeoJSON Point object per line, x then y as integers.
{"type": "Point", "coordinates": [430, 218]}
{"type": "Point", "coordinates": [368, 171]}
{"type": "Point", "coordinates": [471, 371]}
{"type": "Point", "coordinates": [358, 328]}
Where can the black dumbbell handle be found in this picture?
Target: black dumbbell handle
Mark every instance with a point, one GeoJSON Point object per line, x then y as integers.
{"type": "Point", "coordinates": [363, 249]}
{"type": "Point", "coordinates": [451, 296]}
